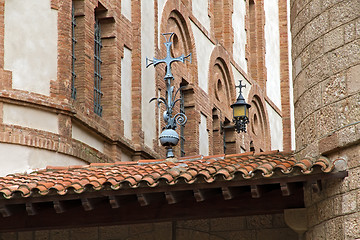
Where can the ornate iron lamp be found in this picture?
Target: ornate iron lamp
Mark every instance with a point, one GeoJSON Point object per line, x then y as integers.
{"type": "Point", "coordinates": [240, 111]}
{"type": "Point", "coordinates": [169, 137]}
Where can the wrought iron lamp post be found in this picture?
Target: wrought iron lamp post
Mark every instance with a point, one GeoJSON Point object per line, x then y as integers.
{"type": "Point", "coordinates": [169, 137]}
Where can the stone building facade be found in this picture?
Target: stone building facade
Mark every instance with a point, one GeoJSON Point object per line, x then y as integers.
{"type": "Point", "coordinates": [326, 67]}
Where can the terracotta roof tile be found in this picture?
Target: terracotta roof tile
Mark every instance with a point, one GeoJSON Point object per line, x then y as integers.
{"type": "Point", "coordinates": [152, 172]}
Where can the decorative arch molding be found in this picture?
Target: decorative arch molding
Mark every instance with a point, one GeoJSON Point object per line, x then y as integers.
{"type": "Point", "coordinates": [175, 18]}
{"type": "Point", "coordinates": [221, 84]}
{"type": "Point", "coordinates": [259, 127]}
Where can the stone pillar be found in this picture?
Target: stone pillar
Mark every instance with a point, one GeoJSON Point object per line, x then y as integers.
{"type": "Point", "coordinates": [326, 70]}
{"type": "Point", "coordinates": [326, 77]}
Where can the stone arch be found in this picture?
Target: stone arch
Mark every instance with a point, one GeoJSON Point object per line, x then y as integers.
{"type": "Point", "coordinates": [222, 94]}
{"type": "Point", "coordinates": [258, 127]}
{"type": "Point", "coordinates": [221, 84]}
{"type": "Point", "coordinates": [175, 18]}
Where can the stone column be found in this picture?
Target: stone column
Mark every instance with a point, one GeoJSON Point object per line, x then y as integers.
{"type": "Point", "coordinates": [326, 77]}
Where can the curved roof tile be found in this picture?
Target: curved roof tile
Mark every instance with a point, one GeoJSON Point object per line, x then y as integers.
{"type": "Point", "coordinates": [155, 172]}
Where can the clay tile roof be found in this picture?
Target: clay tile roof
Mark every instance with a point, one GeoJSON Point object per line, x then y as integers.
{"type": "Point", "coordinates": [151, 173]}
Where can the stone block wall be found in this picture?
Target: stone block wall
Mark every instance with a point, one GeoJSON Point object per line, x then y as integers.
{"type": "Point", "coordinates": [258, 227]}
{"type": "Point", "coordinates": [326, 72]}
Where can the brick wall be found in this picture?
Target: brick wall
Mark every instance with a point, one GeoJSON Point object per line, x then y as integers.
{"type": "Point", "coordinates": [119, 32]}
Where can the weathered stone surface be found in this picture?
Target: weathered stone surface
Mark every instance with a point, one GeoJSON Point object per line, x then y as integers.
{"type": "Point", "coordinates": [163, 230]}
{"type": "Point", "coordinates": [354, 178]}
{"type": "Point", "coordinates": [343, 12]}
{"type": "Point", "coordinates": [224, 224]}
{"type": "Point", "coordinates": [328, 3]}
{"type": "Point", "coordinates": [333, 39]}
{"type": "Point", "coordinates": [279, 221]}
{"type": "Point", "coordinates": [326, 119]}
{"type": "Point", "coordinates": [334, 88]}
{"type": "Point", "coordinates": [325, 209]}
{"type": "Point", "coordinates": [270, 234]}
{"type": "Point", "coordinates": [309, 151]}
{"type": "Point", "coordinates": [319, 232]}
{"type": "Point", "coordinates": [317, 48]}
{"type": "Point", "coordinates": [315, 7]}
{"type": "Point", "coordinates": [328, 143]}
{"type": "Point", "coordinates": [349, 135]}
{"type": "Point", "coordinates": [8, 236]}
{"type": "Point", "coordinates": [140, 228]}
{"type": "Point", "coordinates": [189, 234]}
{"type": "Point", "coordinates": [113, 232]}
{"type": "Point", "coordinates": [240, 235]}
{"type": "Point", "coordinates": [349, 110]}
{"type": "Point", "coordinates": [201, 225]}
{"type": "Point", "coordinates": [59, 234]}
{"type": "Point", "coordinates": [42, 235]}
{"type": "Point", "coordinates": [335, 228]}
{"type": "Point", "coordinates": [305, 57]}
{"type": "Point", "coordinates": [349, 32]}
{"type": "Point", "coordinates": [353, 79]}
{"type": "Point", "coordinates": [299, 86]}
{"type": "Point", "coordinates": [345, 56]}
{"type": "Point", "coordinates": [349, 202]}
{"type": "Point", "coordinates": [357, 28]}
{"type": "Point", "coordinates": [317, 27]}
{"type": "Point", "coordinates": [259, 221]}
{"type": "Point", "coordinates": [318, 70]}
{"type": "Point", "coordinates": [84, 233]}
{"type": "Point", "coordinates": [352, 226]}
{"type": "Point", "coordinates": [25, 235]}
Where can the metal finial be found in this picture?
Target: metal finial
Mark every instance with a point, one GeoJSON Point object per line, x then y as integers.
{"type": "Point", "coordinates": [240, 86]}
{"type": "Point", "coordinates": [168, 60]}
{"type": "Point", "coordinates": [169, 137]}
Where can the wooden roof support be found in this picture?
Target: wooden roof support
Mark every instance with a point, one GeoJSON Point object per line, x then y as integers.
{"type": "Point", "coordinates": [143, 199]}
{"type": "Point", "coordinates": [203, 194]}
{"type": "Point", "coordinates": [174, 197]}
{"type": "Point", "coordinates": [232, 192]}
{"type": "Point", "coordinates": [114, 201]}
{"type": "Point", "coordinates": [30, 208]}
{"type": "Point", "coordinates": [287, 188]}
{"type": "Point", "coordinates": [87, 204]}
{"type": "Point", "coordinates": [59, 206]}
{"type": "Point", "coordinates": [256, 191]}
{"type": "Point", "coordinates": [5, 211]}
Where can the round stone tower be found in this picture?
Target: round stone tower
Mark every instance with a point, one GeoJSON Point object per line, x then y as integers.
{"type": "Point", "coordinates": [326, 78]}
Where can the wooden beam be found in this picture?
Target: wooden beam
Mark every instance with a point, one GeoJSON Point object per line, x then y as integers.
{"type": "Point", "coordinates": [215, 207]}
{"type": "Point", "coordinates": [59, 206]}
{"type": "Point", "coordinates": [287, 188]}
{"type": "Point", "coordinates": [30, 208]}
{"type": "Point", "coordinates": [256, 191]}
{"type": "Point", "coordinates": [87, 204]}
{"type": "Point", "coordinates": [114, 201]}
{"type": "Point", "coordinates": [143, 199]}
{"type": "Point", "coordinates": [5, 211]}
{"type": "Point", "coordinates": [227, 193]}
{"type": "Point", "coordinates": [204, 194]}
{"type": "Point", "coordinates": [174, 197]}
